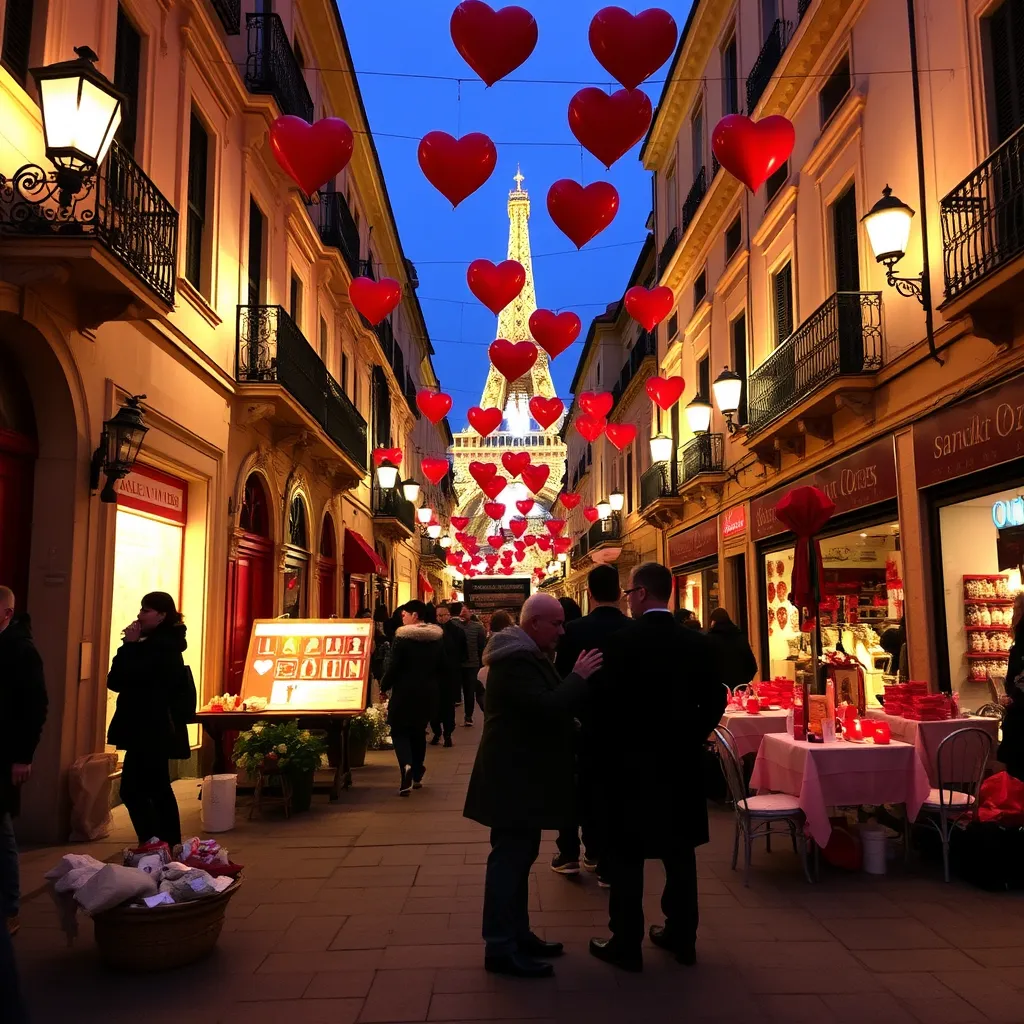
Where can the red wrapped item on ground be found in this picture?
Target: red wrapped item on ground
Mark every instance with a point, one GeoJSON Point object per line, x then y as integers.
{"type": "Point", "coordinates": [1001, 799]}
{"type": "Point", "coordinates": [213, 867]}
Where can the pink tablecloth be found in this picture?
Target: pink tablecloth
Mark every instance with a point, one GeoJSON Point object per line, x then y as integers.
{"type": "Point", "coordinates": [749, 729]}
{"type": "Point", "coordinates": [926, 736]}
{"type": "Point", "coordinates": [824, 775]}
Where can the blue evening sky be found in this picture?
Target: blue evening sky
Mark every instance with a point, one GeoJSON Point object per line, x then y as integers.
{"type": "Point", "coordinates": [411, 37]}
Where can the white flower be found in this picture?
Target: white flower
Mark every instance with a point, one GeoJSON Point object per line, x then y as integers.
{"type": "Point", "coordinates": [257, 729]}
{"type": "Point", "coordinates": [246, 735]}
{"type": "Point", "coordinates": [304, 735]}
{"type": "Point", "coordinates": [282, 748]}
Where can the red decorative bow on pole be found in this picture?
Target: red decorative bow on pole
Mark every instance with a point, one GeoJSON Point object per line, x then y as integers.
{"type": "Point", "coordinates": [805, 510]}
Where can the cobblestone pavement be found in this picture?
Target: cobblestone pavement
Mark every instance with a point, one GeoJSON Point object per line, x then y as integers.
{"type": "Point", "coordinates": [369, 910]}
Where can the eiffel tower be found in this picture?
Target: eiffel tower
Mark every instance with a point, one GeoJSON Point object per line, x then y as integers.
{"type": "Point", "coordinates": [518, 430]}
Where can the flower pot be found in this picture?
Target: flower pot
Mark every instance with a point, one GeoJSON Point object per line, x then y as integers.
{"type": "Point", "coordinates": [356, 750]}
{"type": "Point", "coordinates": [302, 792]}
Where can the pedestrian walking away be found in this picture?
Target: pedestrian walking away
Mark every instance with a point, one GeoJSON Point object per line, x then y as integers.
{"type": "Point", "coordinates": [476, 640]}
{"type": "Point", "coordinates": [456, 652]}
{"type": "Point", "coordinates": [735, 658]}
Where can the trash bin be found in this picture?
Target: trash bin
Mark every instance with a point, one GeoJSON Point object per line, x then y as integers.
{"type": "Point", "coordinates": [874, 841]}
{"type": "Point", "coordinates": [218, 798]}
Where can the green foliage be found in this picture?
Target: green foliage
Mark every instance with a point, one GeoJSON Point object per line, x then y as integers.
{"type": "Point", "coordinates": [279, 746]}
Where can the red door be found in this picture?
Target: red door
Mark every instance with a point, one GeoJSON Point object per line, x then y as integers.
{"type": "Point", "coordinates": [17, 463]}
{"type": "Point", "coordinates": [328, 575]}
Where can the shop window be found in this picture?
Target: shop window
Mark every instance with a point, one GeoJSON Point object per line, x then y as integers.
{"type": "Point", "coordinates": [17, 41]}
{"type": "Point", "coordinates": [845, 253]}
{"type": "Point", "coordinates": [127, 75]}
{"type": "Point", "coordinates": [782, 302]}
{"type": "Point", "coordinates": [739, 362]}
{"type": "Point", "coordinates": [195, 224]}
{"type": "Point", "coordinates": [730, 79]}
{"type": "Point", "coordinates": [774, 184]}
{"type": "Point", "coordinates": [698, 591]}
{"type": "Point", "coordinates": [733, 238]}
{"type": "Point", "coordinates": [1003, 44]}
{"type": "Point", "coordinates": [255, 262]}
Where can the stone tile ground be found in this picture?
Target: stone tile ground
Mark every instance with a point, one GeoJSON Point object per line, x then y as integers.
{"type": "Point", "coordinates": [369, 911]}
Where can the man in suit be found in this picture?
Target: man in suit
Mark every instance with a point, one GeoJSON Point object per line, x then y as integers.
{"type": "Point", "coordinates": [476, 641]}
{"type": "Point", "coordinates": [650, 778]}
{"type": "Point", "coordinates": [588, 633]}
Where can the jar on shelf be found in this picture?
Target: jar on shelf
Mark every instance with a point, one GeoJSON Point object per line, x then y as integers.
{"type": "Point", "coordinates": [997, 616]}
{"type": "Point", "coordinates": [986, 616]}
{"type": "Point", "coordinates": [1002, 588]}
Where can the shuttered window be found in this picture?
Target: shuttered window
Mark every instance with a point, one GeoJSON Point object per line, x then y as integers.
{"type": "Point", "coordinates": [195, 225]}
{"type": "Point", "coordinates": [700, 288]}
{"type": "Point", "coordinates": [704, 377]}
{"type": "Point", "coordinates": [844, 242]}
{"type": "Point", "coordinates": [127, 72]}
{"type": "Point", "coordinates": [834, 91]}
{"type": "Point", "coordinates": [381, 409]}
{"type": "Point", "coordinates": [255, 272]}
{"type": "Point", "coordinates": [295, 300]}
{"type": "Point", "coordinates": [733, 237]}
{"type": "Point", "coordinates": [782, 298]}
{"type": "Point", "coordinates": [739, 362]}
{"type": "Point", "coordinates": [344, 373]}
{"type": "Point", "coordinates": [14, 54]}
{"type": "Point", "coordinates": [731, 80]}
{"type": "Point", "coordinates": [775, 182]}
{"type": "Point", "coordinates": [323, 339]}
{"type": "Point", "coordinates": [1004, 46]}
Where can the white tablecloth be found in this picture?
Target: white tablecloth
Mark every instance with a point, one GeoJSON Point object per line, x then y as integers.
{"type": "Point", "coordinates": [749, 729]}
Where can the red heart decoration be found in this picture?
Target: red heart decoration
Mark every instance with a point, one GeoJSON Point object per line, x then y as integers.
{"type": "Point", "coordinates": [518, 526]}
{"type": "Point", "coordinates": [434, 469]}
{"type": "Point", "coordinates": [512, 361]}
{"type": "Point", "coordinates": [581, 213]}
{"type": "Point", "coordinates": [374, 299]}
{"type": "Point", "coordinates": [546, 410]}
{"type": "Point", "coordinates": [459, 522]}
{"type": "Point", "coordinates": [753, 150]}
{"type": "Point", "coordinates": [561, 544]}
{"type": "Point", "coordinates": [311, 154]}
{"type": "Point", "coordinates": [520, 555]}
{"type": "Point", "coordinates": [632, 47]}
{"type": "Point", "coordinates": [392, 455]}
{"type": "Point", "coordinates": [590, 427]}
{"type": "Point", "coordinates": [463, 539]}
{"type": "Point", "coordinates": [506, 555]}
{"type": "Point", "coordinates": [591, 514]}
{"type": "Point", "coordinates": [495, 286]}
{"type": "Point", "coordinates": [544, 543]}
{"type": "Point", "coordinates": [535, 477]}
{"type": "Point", "coordinates": [481, 472]}
{"type": "Point", "coordinates": [515, 462]}
{"type": "Point", "coordinates": [493, 487]}
{"type": "Point", "coordinates": [554, 333]}
{"type": "Point", "coordinates": [433, 404]}
{"type": "Point", "coordinates": [496, 540]}
{"type": "Point", "coordinates": [518, 544]}
{"type": "Point", "coordinates": [665, 391]}
{"type": "Point", "coordinates": [621, 434]}
{"type": "Point", "coordinates": [494, 509]}
{"type": "Point", "coordinates": [555, 526]}
{"type": "Point", "coordinates": [507, 570]}
{"type": "Point", "coordinates": [456, 167]}
{"type": "Point", "coordinates": [597, 403]}
{"type": "Point", "coordinates": [484, 421]}
{"type": "Point", "coordinates": [493, 43]}
{"type": "Point", "coordinates": [525, 505]}
{"type": "Point", "coordinates": [570, 501]}
{"type": "Point", "coordinates": [529, 540]}
{"type": "Point", "coordinates": [453, 558]}
{"type": "Point", "coordinates": [649, 306]}
{"type": "Point", "coordinates": [609, 126]}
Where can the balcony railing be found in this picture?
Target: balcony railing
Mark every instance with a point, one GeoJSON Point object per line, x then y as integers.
{"type": "Point", "coordinates": [767, 61]}
{"type": "Point", "coordinates": [703, 454]}
{"type": "Point", "coordinates": [801, 9]}
{"type": "Point", "coordinates": [366, 269]}
{"type": "Point", "coordinates": [604, 530]}
{"type": "Point", "coordinates": [646, 346]}
{"type": "Point", "coordinates": [842, 337]}
{"type": "Point", "coordinates": [694, 198]}
{"type": "Point", "coordinates": [337, 227]}
{"type": "Point", "coordinates": [668, 250]}
{"type": "Point", "coordinates": [271, 66]}
{"type": "Point", "coordinates": [983, 218]}
{"type": "Point", "coordinates": [715, 166]}
{"type": "Point", "coordinates": [230, 14]}
{"type": "Point", "coordinates": [272, 350]}
{"type": "Point", "coordinates": [657, 482]}
{"type": "Point", "coordinates": [390, 504]}
{"type": "Point", "coordinates": [431, 549]}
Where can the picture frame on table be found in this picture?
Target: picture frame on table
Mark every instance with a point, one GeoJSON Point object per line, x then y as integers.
{"type": "Point", "coordinates": [849, 682]}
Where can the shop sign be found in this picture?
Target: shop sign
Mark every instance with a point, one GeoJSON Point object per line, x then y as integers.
{"type": "Point", "coordinates": [490, 595]}
{"type": "Point", "coordinates": [159, 494]}
{"type": "Point", "coordinates": [694, 544]}
{"type": "Point", "coordinates": [973, 435]}
{"type": "Point", "coordinates": [862, 478]}
{"type": "Point", "coordinates": [1008, 513]}
{"type": "Point", "coordinates": [733, 522]}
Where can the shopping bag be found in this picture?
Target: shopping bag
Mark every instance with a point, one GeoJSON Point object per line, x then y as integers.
{"type": "Point", "coordinates": [1001, 800]}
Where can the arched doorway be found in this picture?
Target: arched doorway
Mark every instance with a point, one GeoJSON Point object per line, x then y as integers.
{"type": "Point", "coordinates": [328, 569]}
{"type": "Point", "coordinates": [296, 561]}
{"type": "Point", "coordinates": [18, 449]}
{"type": "Point", "coordinates": [250, 579]}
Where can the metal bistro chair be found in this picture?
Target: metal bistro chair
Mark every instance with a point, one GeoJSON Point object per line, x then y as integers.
{"type": "Point", "coordinates": [756, 814]}
{"type": "Point", "coordinates": [960, 764]}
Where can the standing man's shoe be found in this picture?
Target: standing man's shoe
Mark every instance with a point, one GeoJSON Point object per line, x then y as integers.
{"type": "Point", "coordinates": [406, 787]}
{"type": "Point", "coordinates": [448, 741]}
{"type": "Point", "coordinates": [565, 865]}
{"type": "Point", "coordinates": [625, 959]}
{"type": "Point", "coordinates": [516, 965]}
{"type": "Point", "coordinates": [589, 865]}
{"type": "Point", "coordinates": [686, 953]}
{"type": "Point", "coordinates": [435, 739]}
{"type": "Point", "coordinates": [535, 946]}
{"type": "Point", "coordinates": [468, 723]}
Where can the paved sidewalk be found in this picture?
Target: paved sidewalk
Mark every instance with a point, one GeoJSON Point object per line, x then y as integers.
{"type": "Point", "coordinates": [369, 911]}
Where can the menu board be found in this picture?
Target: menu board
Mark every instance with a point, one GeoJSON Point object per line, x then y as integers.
{"type": "Point", "coordinates": [309, 664]}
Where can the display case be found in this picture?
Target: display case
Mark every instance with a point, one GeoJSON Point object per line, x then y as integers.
{"type": "Point", "coordinates": [988, 617]}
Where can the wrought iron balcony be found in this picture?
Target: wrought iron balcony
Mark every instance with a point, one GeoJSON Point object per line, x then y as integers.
{"type": "Point", "coordinates": [668, 250]}
{"type": "Point", "coordinates": [271, 66]}
{"type": "Point", "coordinates": [694, 198]}
{"type": "Point", "coordinates": [230, 14]}
{"type": "Point", "coordinates": [604, 531]}
{"type": "Point", "coordinates": [703, 454]}
{"type": "Point", "coordinates": [983, 218]}
{"type": "Point", "coordinates": [431, 549]}
{"type": "Point", "coordinates": [801, 9]}
{"type": "Point", "coordinates": [391, 505]}
{"type": "Point", "coordinates": [118, 206]}
{"type": "Point", "coordinates": [366, 269]}
{"type": "Point", "coordinates": [337, 227]}
{"type": "Point", "coordinates": [657, 482]}
{"type": "Point", "coordinates": [767, 61]}
{"type": "Point", "coordinates": [646, 347]}
{"type": "Point", "coordinates": [842, 337]}
{"type": "Point", "coordinates": [272, 350]}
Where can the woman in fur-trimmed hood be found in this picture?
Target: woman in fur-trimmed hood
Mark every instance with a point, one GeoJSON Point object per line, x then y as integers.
{"type": "Point", "coordinates": [412, 681]}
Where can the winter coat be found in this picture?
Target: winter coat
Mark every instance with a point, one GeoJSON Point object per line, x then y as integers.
{"type": "Point", "coordinates": [736, 660]}
{"type": "Point", "coordinates": [23, 705]}
{"type": "Point", "coordinates": [1011, 749]}
{"type": "Point", "coordinates": [523, 775]}
{"type": "Point", "coordinates": [156, 698]}
{"type": "Point", "coordinates": [476, 641]}
{"type": "Point", "coordinates": [414, 673]}
{"type": "Point", "coordinates": [456, 653]}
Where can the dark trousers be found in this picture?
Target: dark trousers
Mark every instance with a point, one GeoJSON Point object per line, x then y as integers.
{"type": "Point", "coordinates": [444, 721]}
{"type": "Point", "coordinates": [568, 840]}
{"type": "Point", "coordinates": [678, 899]}
{"type": "Point", "coordinates": [146, 792]}
{"type": "Point", "coordinates": [12, 1008]}
{"type": "Point", "coordinates": [469, 685]}
{"type": "Point", "coordinates": [507, 888]}
{"type": "Point", "coordinates": [410, 748]}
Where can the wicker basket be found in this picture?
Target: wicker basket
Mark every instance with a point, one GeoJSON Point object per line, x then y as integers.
{"type": "Point", "coordinates": [141, 939]}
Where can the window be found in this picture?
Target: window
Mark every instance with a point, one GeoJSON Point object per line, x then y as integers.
{"type": "Point", "coordinates": [323, 339]}
{"type": "Point", "coordinates": [730, 79]}
{"type": "Point", "coordinates": [769, 15]}
{"type": "Point", "coordinates": [598, 381]}
{"type": "Point", "coordinates": [1003, 42]}
{"type": "Point", "coordinates": [17, 42]}
{"type": "Point", "coordinates": [704, 376]}
{"type": "Point", "coordinates": [629, 481]}
{"type": "Point", "coordinates": [672, 199]}
{"type": "Point", "coordinates": [700, 288]}
{"type": "Point", "coordinates": [195, 223]}
{"type": "Point", "coordinates": [344, 374]}
{"type": "Point", "coordinates": [127, 68]}
{"type": "Point", "coordinates": [782, 302]}
{"type": "Point", "coordinates": [845, 253]}
{"type": "Point", "coordinates": [295, 300]}
{"type": "Point", "coordinates": [739, 362]}
{"type": "Point", "coordinates": [835, 89]}
{"type": "Point", "coordinates": [733, 237]}
{"type": "Point", "coordinates": [255, 269]}
{"type": "Point", "coordinates": [300, 58]}
{"type": "Point", "coordinates": [775, 182]}
{"type": "Point", "coordinates": [697, 140]}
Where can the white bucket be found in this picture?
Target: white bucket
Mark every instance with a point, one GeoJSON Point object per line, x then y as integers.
{"type": "Point", "coordinates": [874, 842]}
{"type": "Point", "coordinates": [219, 803]}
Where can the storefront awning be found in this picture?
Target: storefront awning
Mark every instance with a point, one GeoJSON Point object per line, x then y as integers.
{"type": "Point", "coordinates": [425, 585]}
{"type": "Point", "coordinates": [360, 556]}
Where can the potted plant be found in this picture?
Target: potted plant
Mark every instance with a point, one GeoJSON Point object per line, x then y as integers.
{"type": "Point", "coordinates": [282, 748]}
{"type": "Point", "coordinates": [368, 731]}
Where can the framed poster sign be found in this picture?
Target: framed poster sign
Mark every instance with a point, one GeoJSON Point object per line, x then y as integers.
{"type": "Point", "coordinates": [309, 664]}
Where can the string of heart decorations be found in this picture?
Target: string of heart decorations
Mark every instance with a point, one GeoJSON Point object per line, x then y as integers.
{"type": "Point", "coordinates": [495, 43]}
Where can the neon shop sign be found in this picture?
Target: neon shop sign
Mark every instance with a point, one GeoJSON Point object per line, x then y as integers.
{"type": "Point", "coordinates": [1008, 513]}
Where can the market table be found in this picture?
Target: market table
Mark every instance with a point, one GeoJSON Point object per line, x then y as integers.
{"type": "Point", "coordinates": [336, 724]}
{"type": "Point", "coordinates": [926, 736]}
{"type": "Point", "coordinates": [749, 730]}
{"type": "Point", "coordinates": [839, 774]}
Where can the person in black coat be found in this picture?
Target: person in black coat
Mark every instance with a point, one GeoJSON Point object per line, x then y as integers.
{"type": "Point", "coordinates": [155, 703]}
{"type": "Point", "coordinates": [656, 808]}
{"type": "Point", "coordinates": [456, 651]}
{"type": "Point", "coordinates": [413, 678]}
{"type": "Point", "coordinates": [1011, 749]}
{"type": "Point", "coordinates": [736, 660]}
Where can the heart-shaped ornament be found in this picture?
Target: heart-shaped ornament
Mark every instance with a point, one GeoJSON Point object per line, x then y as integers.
{"type": "Point", "coordinates": [591, 514]}
{"type": "Point", "coordinates": [515, 462]}
{"type": "Point", "coordinates": [496, 540]}
{"type": "Point", "coordinates": [529, 540]}
{"type": "Point", "coordinates": [560, 544]}
{"type": "Point", "coordinates": [535, 477]}
{"type": "Point", "coordinates": [375, 299]}
{"type": "Point", "coordinates": [392, 455]}
{"type": "Point", "coordinates": [544, 543]}
{"type": "Point", "coordinates": [569, 501]}
{"type": "Point", "coordinates": [525, 505]}
{"type": "Point", "coordinates": [582, 213]}
{"type": "Point", "coordinates": [495, 286]}
{"type": "Point", "coordinates": [493, 43]}
{"type": "Point", "coordinates": [590, 427]}
{"type": "Point", "coordinates": [753, 150]}
{"type": "Point", "coordinates": [456, 167]}
{"type": "Point", "coordinates": [649, 306]}
{"type": "Point", "coordinates": [434, 469]}
{"type": "Point", "coordinates": [493, 487]}
{"type": "Point", "coordinates": [311, 154]}
{"type": "Point", "coordinates": [664, 392]}
{"type": "Point", "coordinates": [518, 526]}
{"type": "Point", "coordinates": [554, 332]}
{"type": "Point", "coordinates": [512, 361]}
{"type": "Point", "coordinates": [459, 522]}
{"type": "Point", "coordinates": [621, 434]}
{"type": "Point", "coordinates": [263, 665]}
{"type": "Point", "coordinates": [555, 526]}
{"type": "Point", "coordinates": [597, 403]}
{"type": "Point", "coordinates": [435, 405]}
{"type": "Point", "coordinates": [520, 555]}
{"type": "Point", "coordinates": [481, 472]}
{"type": "Point", "coordinates": [632, 47]}
{"type": "Point", "coordinates": [484, 421]}
{"type": "Point", "coordinates": [494, 509]}
{"type": "Point", "coordinates": [609, 126]}
{"type": "Point", "coordinates": [546, 410]}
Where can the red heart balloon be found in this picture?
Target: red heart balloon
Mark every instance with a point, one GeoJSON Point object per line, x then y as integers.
{"type": "Point", "coordinates": [484, 421]}
{"type": "Point", "coordinates": [544, 543]}
{"type": "Point", "coordinates": [495, 286]}
{"type": "Point", "coordinates": [665, 391]}
{"type": "Point", "coordinates": [561, 544]}
{"type": "Point", "coordinates": [496, 540]}
{"type": "Point", "coordinates": [520, 555]}
{"type": "Point", "coordinates": [518, 544]}
{"type": "Point", "coordinates": [481, 472]}
{"type": "Point", "coordinates": [434, 469]}
{"type": "Point", "coordinates": [459, 522]}
{"type": "Point", "coordinates": [518, 526]}
{"type": "Point", "coordinates": [535, 477]}
{"type": "Point", "coordinates": [546, 410]}
{"type": "Point", "coordinates": [392, 455]}
{"type": "Point", "coordinates": [529, 540]}
{"type": "Point", "coordinates": [507, 570]}
{"type": "Point", "coordinates": [493, 43]}
{"type": "Point", "coordinates": [591, 514]}
{"type": "Point", "coordinates": [555, 526]}
{"type": "Point", "coordinates": [609, 126]}
{"type": "Point", "coordinates": [525, 505]}
{"type": "Point", "coordinates": [456, 167]}
{"type": "Point", "coordinates": [632, 47]}
{"type": "Point", "coordinates": [311, 154]}
{"type": "Point", "coordinates": [493, 487]}
{"type": "Point", "coordinates": [463, 539]}
{"type": "Point", "coordinates": [753, 150]}
{"type": "Point", "coordinates": [597, 403]}
{"type": "Point", "coordinates": [590, 427]}
{"type": "Point", "coordinates": [374, 299]}
{"type": "Point", "coordinates": [554, 333]}
{"type": "Point", "coordinates": [581, 213]}
{"type": "Point", "coordinates": [649, 306]}
{"type": "Point", "coordinates": [494, 509]}
{"type": "Point", "coordinates": [515, 462]}
{"type": "Point", "coordinates": [570, 501]}
{"type": "Point", "coordinates": [512, 361]}
{"type": "Point", "coordinates": [621, 434]}
{"type": "Point", "coordinates": [433, 404]}
{"type": "Point", "coordinates": [453, 558]}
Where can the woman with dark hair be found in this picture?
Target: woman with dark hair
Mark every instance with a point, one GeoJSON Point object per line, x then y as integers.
{"type": "Point", "coordinates": [735, 658]}
{"type": "Point", "coordinates": [571, 609]}
{"type": "Point", "coordinates": [156, 701]}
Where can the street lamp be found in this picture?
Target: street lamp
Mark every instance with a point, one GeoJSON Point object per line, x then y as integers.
{"type": "Point", "coordinates": [387, 475]}
{"type": "Point", "coordinates": [562, 557]}
{"type": "Point", "coordinates": [434, 531]}
{"type": "Point", "coordinates": [445, 542]}
{"type": "Point", "coordinates": [888, 226]}
{"type": "Point", "coordinates": [698, 415]}
{"type": "Point", "coordinates": [616, 500]}
{"type": "Point", "coordinates": [424, 514]}
{"type": "Point", "coordinates": [728, 386]}
{"type": "Point", "coordinates": [661, 448]}
{"type": "Point", "coordinates": [604, 509]}
{"type": "Point", "coordinates": [118, 448]}
{"type": "Point", "coordinates": [411, 490]}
